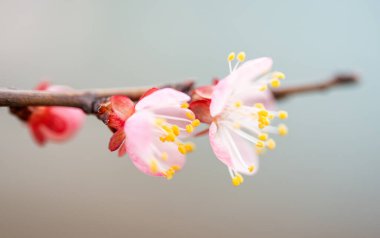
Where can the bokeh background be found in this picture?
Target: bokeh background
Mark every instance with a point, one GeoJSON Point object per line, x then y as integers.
{"type": "Point", "coordinates": [322, 181]}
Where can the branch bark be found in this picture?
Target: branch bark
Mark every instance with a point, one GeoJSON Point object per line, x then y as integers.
{"type": "Point", "coordinates": [88, 100]}
{"type": "Point", "coordinates": [338, 80]}
{"type": "Point", "coordinates": [84, 99]}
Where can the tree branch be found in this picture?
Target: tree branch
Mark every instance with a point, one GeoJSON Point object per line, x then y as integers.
{"type": "Point", "coordinates": [84, 99]}
{"type": "Point", "coordinates": [88, 100]}
{"type": "Point", "coordinates": [338, 80]}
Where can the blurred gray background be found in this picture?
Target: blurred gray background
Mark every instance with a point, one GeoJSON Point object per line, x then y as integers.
{"type": "Point", "coordinates": [322, 181]}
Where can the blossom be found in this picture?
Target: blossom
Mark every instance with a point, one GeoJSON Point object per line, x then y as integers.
{"type": "Point", "coordinates": [242, 112]}
{"type": "Point", "coordinates": [154, 131]}
{"type": "Point", "coordinates": [54, 123]}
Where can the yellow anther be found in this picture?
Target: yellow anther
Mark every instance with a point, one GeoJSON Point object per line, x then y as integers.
{"type": "Point", "coordinates": [275, 83]}
{"type": "Point", "coordinates": [261, 126]}
{"type": "Point", "coordinates": [279, 75]}
{"type": "Point", "coordinates": [164, 156]}
{"type": "Point", "coordinates": [251, 168]}
{"type": "Point", "coordinates": [189, 147]}
{"type": "Point", "coordinates": [271, 116]}
{"type": "Point", "coordinates": [282, 115]}
{"type": "Point", "coordinates": [159, 121]}
{"type": "Point", "coordinates": [169, 173]}
{"type": "Point", "coordinates": [282, 130]}
{"type": "Point", "coordinates": [162, 138]}
{"type": "Point", "coordinates": [185, 105]}
{"type": "Point", "coordinates": [182, 149]}
{"type": "Point", "coordinates": [263, 88]}
{"type": "Point", "coordinates": [236, 125]}
{"type": "Point", "coordinates": [259, 105]}
{"type": "Point", "coordinates": [175, 130]}
{"type": "Point", "coordinates": [195, 123]}
{"type": "Point", "coordinates": [176, 167]}
{"type": "Point", "coordinates": [190, 115]}
{"type": "Point", "coordinates": [236, 181]}
{"type": "Point", "coordinates": [263, 113]}
{"type": "Point", "coordinates": [271, 144]}
{"type": "Point", "coordinates": [260, 144]}
{"type": "Point", "coordinates": [241, 179]}
{"type": "Point", "coordinates": [231, 56]}
{"type": "Point", "coordinates": [241, 56]}
{"type": "Point", "coordinates": [167, 128]}
{"type": "Point", "coordinates": [170, 137]}
{"type": "Point", "coordinates": [189, 128]}
{"type": "Point", "coordinates": [153, 166]}
{"type": "Point", "coordinates": [263, 136]}
{"type": "Point", "coordinates": [260, 151]}
{"type": "Point", "coordinates": [238, 104]}
{"type": "Point", "coordinates": [264, 121]}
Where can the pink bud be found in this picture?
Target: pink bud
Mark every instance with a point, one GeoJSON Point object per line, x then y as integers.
{"type": "Point", "coordinates": [54, 123]}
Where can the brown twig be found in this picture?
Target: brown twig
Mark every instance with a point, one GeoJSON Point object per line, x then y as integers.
{"type": "Point", "coordinates": [84, 99]}
{"type": "Point", "coordinates": [88, 100]}
{"type": "Point", "coordinates": [338, 80]}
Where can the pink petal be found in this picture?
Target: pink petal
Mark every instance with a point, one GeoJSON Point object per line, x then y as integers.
{"type": "Point", "coordinates": [138, 129]}
{"type": "Point", "coordinates": [176, 112]}
{"type": "Point", "coordinates": [142, 136]}
{"type": "Point", "coordinates": [248, 71]}
{"type": "Point", "coordinates": [252, 69]}
{"type": "Point", "coordinates": [162, 97]}
{"type": "Point", "coordinates": [248, 155]}
{"type": "Point", "coordinates": [222, 91]}
{"type": "Point", "coordinates": [218, 145]}
{"type": "Point", "coordinates": [266, 98]}
{"type": "Point", "coordinates": [224, 150]}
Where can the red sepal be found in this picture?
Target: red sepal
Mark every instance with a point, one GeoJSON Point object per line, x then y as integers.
{"type": "Point", "coordinates": [115, 122]}
{"type": "Point", "coordinates": [201, 109]}
{"type": "Point", "coordinates": [37, 134]}
{"type": "Point", "coordinates": [204, 92]}
{"type": "Point", "coordinates": [122, 149]}
{"type": "Point", "coordinates": [54, 122]}
{"type": "Point", "coordinates": [116, 140]}
{"type": "Point", "coordinates": [122, 106]}
{"type": "Point", "coordinates": [42, 86]}
{"type": "Point", "coordinates": [149, 92]}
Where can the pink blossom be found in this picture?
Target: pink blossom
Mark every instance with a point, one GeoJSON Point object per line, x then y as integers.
{"type": "Point", "coordinates": [242, 112]}
{"type": "Point", "coordinates": [154, 132]}
{"type": "Point", "coordinates": [54, 123]}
